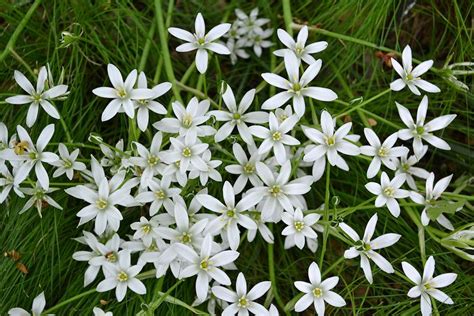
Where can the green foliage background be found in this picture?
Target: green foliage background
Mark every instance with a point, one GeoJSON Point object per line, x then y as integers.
{"type": "Point", "coordinates": [120, 32]}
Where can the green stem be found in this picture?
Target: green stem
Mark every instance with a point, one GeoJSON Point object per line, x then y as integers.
{"type": "Point", "coordinates": [287, 16]}
{"type": "Point", "coordinates": [271, 271]}
{"type": "Point", "coordinates": [421, 232]}
{"type": "Point", "coordinates": [11, 42]}
{"type": "Point", "coordinates": [146, 48]}
{"type": "Point", "coordinates": [66, 302]}
{"type": "Point", "coordinates": [162, 32]}
{"type": "Point", "coordinates": [196, 92]}
{"type": "Point", "coordinates": [360, 105]}
{"type": "Point", "coordinates": [326, 214]}
{"type": "Point", "coordinates": [66, 130]}
{"type": "Point", "coordinates": [162, 296]}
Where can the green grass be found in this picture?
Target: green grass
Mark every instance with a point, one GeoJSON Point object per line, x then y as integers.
{"type": "Point", "coordinates": [126, 33]}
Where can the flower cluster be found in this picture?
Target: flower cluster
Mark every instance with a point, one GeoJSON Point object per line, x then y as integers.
{"type": "Point", "coordinates": [192, 231]}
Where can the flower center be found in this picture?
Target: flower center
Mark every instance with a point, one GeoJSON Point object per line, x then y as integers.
{"type": "Point", "coordinates": [122, 276]}
{"type": "Point", "coordinates": [282, 117]}
{"type": "Point", "coordinates": [67, 163]}
{"type": "Point", "coordinates": [201, 41]}
{"type": "Point", "coordinates": [410, 77]}
{"type": "Point", "coordinates": [230, 213]}
{"type": "Point", "coordinates": [204, 264]}
{"type": "Point", "coordinates": [153, 160]}
{"type": "Point", "coordinates": [187, 120]}
{"type": "Point", "coordinates": [146, 228]}
{"type": "Point", "coordinates": [405, 167]}
{"type": "Point", "coordinates": [39, 194]}
{"type": "Point", "coordinates": [243, 302]}
{"type": "Point", "coordinates": [160, 195]}
{"type": "Point", "coordinates": [296, 87]}
{"type": "Point", "coordinates": [143, 102]}
{"type": "Point", "coordinates": [33, 155]}
{"type": "Point", "coordinates": [111, 256]}
{"type": "Point", "coordinates": [383, 151]}
{"type": "Point", "coordinates": [298, 225]}
{"type": "Point", "coordinates": [428, 286]}
{"type": "Point", "coordinates": [330, 140]}
{"type": "Point", "coordinates": [187, 152]}
{"type": "Point", "coordinates": [420, 130]}
{"type": "Point", "coordinates": [20, 147]}
{"type": "Point", "coordinates": [101, 204]}
{"type": "Point", "coordinates": [298, 49]}
{"type": "Point", "coordinates": [317, 292]}
{"type": "Point", "coordinates": [249, 168]}
{"type": "Point", "coordinates": [276, 136]}
{"type": "Point", "coordinates": [121, 93]}
{"type": "Point", "coordinates": [275, 190]}
{"type": "Point", "coordinates": [389, 192]}
{"type": "Point", "coordinates": [2, 145]}
{"type": "Point", "coordinates": [236, 116]}
{"type": "Point", "coordinates": [186, 238]}
{"type": "Point", "coordinates": [37, 98]}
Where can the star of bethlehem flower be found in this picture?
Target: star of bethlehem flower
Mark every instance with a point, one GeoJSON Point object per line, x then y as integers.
{"type": "Point", "coordinates": [250, 23]}
{"type": "Point", "coordinates": [262, 227]}
{"type": "Point", "coordinates": [33, 156]}
{"type": "Point", "coordinates": [39, 199]}
{"type": "Point", "coordinates": [7, 183]}
{"type": "Point", "coordinates": [115, 157]}
{"type": "Point", "coordinates": [432, 193]}
{"type": "Point", "coordinates": [278, 193]}
{"type": "Point", "coordinates": [388, 191]}
{"type": "Point", "coordinates": [258, 40]}
{"type": "Point", "coordinates": [245, 168]}
{"type": "Point", "coordinates": [36, 310]}
{"type": "Point", "coordinates": [275, 137]}
{"type": "Point", "coordinates": [328, 143]}
{"type": "Point", "coordinates": [99, 312]}
{"type": "Point", "coordinates": [122, 276]}
{"type": "Point", "coordinates": [149, 161]}
{"type": "Point", "coordinates": [419, 130]}
{"type": "Point", "coordinates": [146, 105]}
{"type": "Point", "coordinates": [123, 93]}
{"type": "Point", "coordinates": [186, 151]}
{"type": "Point", "coordinates": [236, 116]}
{"type": "Point", "coordinates": [318, 292]}
{"type": "Point", "coordinates": [382, 153]}
{"type": "Point", "coordinates": [299, 228]}
{"type": "Point", "coordinates": [365, 248]}
{"type": "Point", "coordinates": [201, 41]}
{"type": "Point", "coordinates": [427, 286]}
{"type": "Point", "coordinates": [66, 164]}
{"type": "Point", "coordinates": [296, 88]}
{"type": "Point", "coordinates": [242, 301]}
{"type": "Point", "coordinates": [211, 171]}
{"type": "Point", "coordinates": [205, 265]}
{"type": "Point", "coordinates": [231, 214]}
{"type": "Point", "coordinates": [188, 120]}
{"type": "Point", "coordinates": [38, 97]}
{"type": "Point", "coordinates": [146, 230]}
{"type": "Point", "coordinates": [406, 166]}
{"type": "Point", "coordinates": [411, 76]}
{"type": "Point", "coordinates": [160, 194]}
{"type": "Point", "coordinates": [299, 48]}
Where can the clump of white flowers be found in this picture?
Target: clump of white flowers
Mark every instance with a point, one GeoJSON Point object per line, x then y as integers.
{"type": "Point", "coordinates": [263, 156]}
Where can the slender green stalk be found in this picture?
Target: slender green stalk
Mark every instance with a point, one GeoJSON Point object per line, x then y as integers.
{"type": "Point", "coordinates": [68, 301]}
{"type": "Point", "coordinates": [162, 296]}
{"type": "Point", "coordinates": [287, 16]}
{"type": "Point", "coordinates": [271, 271]}
{"type": "Point", "coordinates": [162, 32]}
{"type": "Point", "coordinates": [326, 214]}
{"type": "Point", "coordinates": [19, 29]}
{"type": "Point", "coordinates": [364, 103]}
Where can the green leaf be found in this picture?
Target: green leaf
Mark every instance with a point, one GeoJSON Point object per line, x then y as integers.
{"type": "Point", "coordinates": [447, 207]}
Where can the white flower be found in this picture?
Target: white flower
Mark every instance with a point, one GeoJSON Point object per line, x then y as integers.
{"type": "Point", "coordinates": [299, 48]}
{"type": "Point", "coordinates": [405, 166]}
{"type": "Point", "coordinates": [299, 228]}
{"type": "Point", "coordinates": [122, 94]}
{"type": "Point", "coordinates": [230, 213]}
{"type": "Point", "coordinates": [382, 152]}
{"type": "Point", "coordinates": [237, 50]}
{"type": "Point", "coordinates": [275, 137]}
{"type": "Point", "coordinates": [161, 194]}
{"type": "Point", "coordinates": [67, 162]}
{"type": "Point", "coordinates": [246, 168]}
{"type": "Point", "coordinates": [388, 192]}
{"type": "Point", "coordinates": [103, 203]}
{"type": "Point", "coordinates": [145, 105]}
{"type": "Point", "coordinates": [250, 23]}
{"type": "Point", "coordinates": [187, 151]}
{"type": "Point", "coordinates": [211, 171]}
{"type": "Point", "coordinates": [205, 265]}
{"type": "Point", "coordinates": [38, 306]}
{"type": "Point", "coordinates": [236, 116]}
{"type": "Point", "coordinates": [318, 292]}
{"type": "Point", "coordinates": [411, 76]}
{"type": "Point", "coordinates": [427, 286]}
{"type": "Point", "coordinates": [259, 42]}
{"type": "Point", "coordinates": [146, 230]}
{"type": "Point", "coordinates": [100, 254]}
{"type": "Point", "coordinates": [7, 183]}
{"type": "Point", "coordinates": [184, 232]}
{"type": "Point", "coordinates": [296, 87]}
{"type": "Point", "coordinates": [201, 41]}
{"type": "Point", "coordinates": [420, 130]}
{"type": "Point", "coordinates": [188, 120]}
{"type": "Point", "coordinates": [39, 199]}
{"type": "Point", "coordinates": [243, 302]}
{"type": "Point", "coordinates": [114, 157]}
{"type": "Point", "coordinates": [278, 192]}
{"type": "Point", "coordinates": [432, 193]}
{"type": "Point", "coordinates": [122, 276]}
{"type": "Point", "coordinates": [262, 228]}
{"type": "Point", "coordinates": [329, 143]}
{"type": "Point", "coordinates": [37, 97]}
{"type": "Point", "coordinates": [365, 247]}
{"type": "Point", "coordinates": [149, 160]}
{"type": "Point", "coordinates": [99, 312]}
{"type": "Point", "coordinates": [34, 156]}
